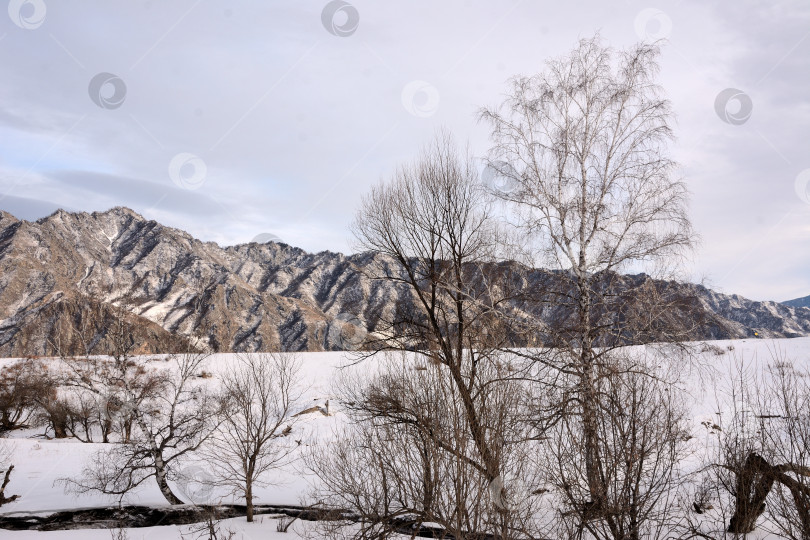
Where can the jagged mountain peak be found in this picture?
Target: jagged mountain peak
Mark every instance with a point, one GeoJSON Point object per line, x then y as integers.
{"type": "Point", "coordinates": [117, 211]}
{"type": "Point", "coordinates": [5, 216]}
{"type": "Point", "coordinates": [120, 211]}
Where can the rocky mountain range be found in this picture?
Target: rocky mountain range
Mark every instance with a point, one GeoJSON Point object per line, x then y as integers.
{"type": "Point", "coordinates": [798, 302]}
{"type": "Point", "coordinates": [65, 279]}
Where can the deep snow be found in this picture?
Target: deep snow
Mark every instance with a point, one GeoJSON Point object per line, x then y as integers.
{"type": "Point", "coordinates": [39, 463]}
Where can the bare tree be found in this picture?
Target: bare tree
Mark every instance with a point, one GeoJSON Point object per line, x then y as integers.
{"type": "Point", "coordinates": [172, 417]}
{"type": "Point", "coordinates": [106, 382]}
{"type": "Point", "coordinates": [259, 393]}
{"type": "Point", "coordinates": [108, 390]}
{"type": "Point", "coordinates": [785, 420]}
{"type": "Point", "coordinates": [763, 461]}
{"type": "Point", "coordinates": [31, 391]}
{"type": "Point", "coordinates": [53, 407]}
{"type": "Point", "coordinates": [439, 244]}
{"type": "Point", "coordinates": [586, 143]}
{"type": "Point", "coordinates": [737, 466]}
{"type": "Point", "coordinates": [17, 392]}
{"type": "Point", "coordinates": [433, 222]}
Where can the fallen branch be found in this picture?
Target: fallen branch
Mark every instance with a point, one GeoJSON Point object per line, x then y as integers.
{"type": "Point", "coordinates": [3, 498]}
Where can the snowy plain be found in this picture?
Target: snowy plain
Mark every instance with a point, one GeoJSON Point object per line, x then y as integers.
{"type": "Point", "coordinates": [39, 463]}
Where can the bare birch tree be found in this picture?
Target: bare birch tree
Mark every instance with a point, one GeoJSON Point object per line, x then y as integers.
{"type": "Point", "coordinates": [172, 417]}
{"type": "Point", "coordinates": [594, 191]}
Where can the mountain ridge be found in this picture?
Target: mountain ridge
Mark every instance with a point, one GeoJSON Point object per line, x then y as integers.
{"type": "Point", "coordinates": [244, 297]}
{"type": "Point", "coordinates": [798, 302]}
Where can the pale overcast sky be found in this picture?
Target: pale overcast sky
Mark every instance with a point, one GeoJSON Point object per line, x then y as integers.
{"type": "Point", "coordinates": [231, 119]}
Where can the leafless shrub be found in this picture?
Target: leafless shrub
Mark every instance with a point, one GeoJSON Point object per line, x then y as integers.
{"type": "Point", "coordinates": [53, 409]}
{"type": "Point", "coordinates": [284, 523]}
{"type": "Point", "coordinates": [763, 461]}
{"type": "Point", "coordinates": [407, 458]}
{"type": "Point", "coordinates": [209, 529]}
{"type": "Point", "coordinates": [712, 348]}
{"type": "Point", "coordinates": [32, 392]}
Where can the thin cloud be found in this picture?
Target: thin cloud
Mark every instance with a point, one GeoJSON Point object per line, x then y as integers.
{"type": "Point", "coordinates": [138, 193]}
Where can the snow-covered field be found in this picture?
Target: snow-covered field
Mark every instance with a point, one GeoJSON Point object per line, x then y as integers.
{"type": "Point", "coordinates": [39, 463]}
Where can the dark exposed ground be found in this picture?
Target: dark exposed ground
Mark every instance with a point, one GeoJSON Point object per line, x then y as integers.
{"type": "Point", "coordinates": [115, 517]}
{"type": "Point", "coordinates": [137, 516]}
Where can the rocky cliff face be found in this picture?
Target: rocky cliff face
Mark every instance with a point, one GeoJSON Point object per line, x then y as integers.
{"type": "Point", "coordinates": [58, 271]}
